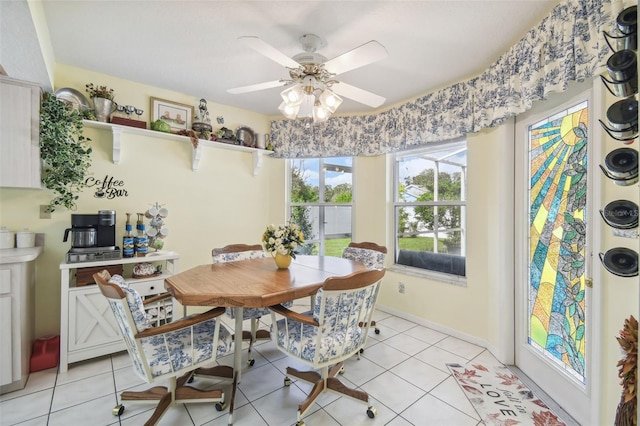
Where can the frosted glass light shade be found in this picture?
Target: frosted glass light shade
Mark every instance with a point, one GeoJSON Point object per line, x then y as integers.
{"type": "Point", "coordinates": [293, 95]}
{"type": "Point", "coordinates": [330, 100]}
{"type": "Point", "coordinates": [289, 111]}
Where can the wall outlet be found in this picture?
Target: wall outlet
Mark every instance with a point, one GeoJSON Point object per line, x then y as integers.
{"type": "Point", "coordinates": [401, 287]}
{"type": "Point", "coordinates": [44, 214]}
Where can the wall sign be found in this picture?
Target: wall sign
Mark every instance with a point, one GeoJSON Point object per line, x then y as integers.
{"type": "Point", "coordinates": [108, 188]}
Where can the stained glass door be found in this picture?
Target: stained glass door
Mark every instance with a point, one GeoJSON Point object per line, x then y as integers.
{"type": "Point", "coordinates": [552, 330]}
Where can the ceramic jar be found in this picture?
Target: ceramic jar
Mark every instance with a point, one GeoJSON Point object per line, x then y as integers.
{"type": "Point", "coordinates": [7, 238]}
{"type": "Point", "coordinates": [25, 239]}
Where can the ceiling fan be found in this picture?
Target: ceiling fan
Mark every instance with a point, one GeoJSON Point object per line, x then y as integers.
{"type": "Point", "coordinates": [313, 89]}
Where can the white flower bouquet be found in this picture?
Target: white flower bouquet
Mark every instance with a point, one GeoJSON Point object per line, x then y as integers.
{"type": "Point", "coordinates": [283, 239]}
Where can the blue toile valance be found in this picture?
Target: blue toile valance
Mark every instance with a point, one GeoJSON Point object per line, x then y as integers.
{"type": "Point", "coordinates": [568, 45]}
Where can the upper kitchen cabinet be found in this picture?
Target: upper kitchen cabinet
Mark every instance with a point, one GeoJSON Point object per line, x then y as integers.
{"type": "Point", "coordinates": [19, 133]}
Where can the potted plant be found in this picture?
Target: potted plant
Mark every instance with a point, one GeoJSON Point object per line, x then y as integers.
{"type": "Point", "coordinates": [65, 153]}
{"type": "Point", "coordinates": [102, 98]}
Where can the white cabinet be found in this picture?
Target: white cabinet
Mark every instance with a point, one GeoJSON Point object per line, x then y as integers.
{"type": "Point", "coordinates": [17, 297]}
{"type": "Point", "coordinates": [87, 326]}
{"type": "Point", "coordinates": [19, 134]}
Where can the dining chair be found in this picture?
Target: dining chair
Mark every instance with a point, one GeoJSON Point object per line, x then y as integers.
{"type": "Point", "coordinates": [173, 351]}
{"type": "Point", "coordinates": [335, 330]}
{"type": "Point", "coordinates": [233, 253]}
{"type": "Point", "coordinates": [369, 253]}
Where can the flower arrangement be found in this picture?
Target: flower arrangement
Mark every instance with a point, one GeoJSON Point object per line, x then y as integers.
{"type": "Point", "coordinates": [99, 91]}
{"type": "Point", "coordinates": [283, 239]}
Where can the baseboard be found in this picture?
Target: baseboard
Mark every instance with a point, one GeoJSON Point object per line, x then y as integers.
{"type": "Point", "coordinates": [441, 328]}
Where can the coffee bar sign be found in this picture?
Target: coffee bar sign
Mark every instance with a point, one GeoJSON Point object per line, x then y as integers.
{"type": "Point", "coordinates": [107, 188]}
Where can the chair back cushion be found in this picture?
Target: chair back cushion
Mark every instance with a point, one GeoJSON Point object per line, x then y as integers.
{"type": "Point", "coordinates": [182, 348]}
{"type": "Point", "coordinates": [135, 303]}
{"type": "Point", "coordinates": [239, 255]}
{"type": "Point", "coordinates": [343, 317]}
{"type": "Point", "coordinates": [372, 259]}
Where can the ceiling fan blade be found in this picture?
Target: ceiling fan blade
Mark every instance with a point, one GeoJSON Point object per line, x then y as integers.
{"type": "Point", "coordinates": [257, 87]}
{"type": "Point", "coordinates": [269, 51]}
{"type": "Point", "coordinates": [360, 56]}
{"type": "Point", "coordinates": [358, 95]}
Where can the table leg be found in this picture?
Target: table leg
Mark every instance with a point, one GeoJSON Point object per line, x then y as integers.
{"type": "Point", "coordinates": [237, 350]}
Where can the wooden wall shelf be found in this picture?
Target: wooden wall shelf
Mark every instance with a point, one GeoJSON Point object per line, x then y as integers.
{"type": "Point", "coordinates": [196, 154]}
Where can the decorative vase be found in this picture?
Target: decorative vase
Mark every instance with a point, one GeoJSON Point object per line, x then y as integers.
{"type": "Point", "coordinates": [282, 260]}
{"type": "Point", "coordinates": [103, 108]}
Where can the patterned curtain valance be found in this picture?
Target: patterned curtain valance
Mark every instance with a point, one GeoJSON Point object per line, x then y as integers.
{"type": "Point", "coordinates": [567, 45]}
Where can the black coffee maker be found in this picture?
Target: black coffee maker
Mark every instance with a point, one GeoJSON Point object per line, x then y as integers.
{"type": "Point", "coordinates": [93, 237]}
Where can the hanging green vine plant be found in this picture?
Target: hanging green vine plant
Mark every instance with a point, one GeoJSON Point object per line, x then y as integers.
{"type": "Point", "coordinates": [65, 153]}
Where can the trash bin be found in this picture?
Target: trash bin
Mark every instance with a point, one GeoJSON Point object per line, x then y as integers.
{"type": "Point", "coordinates": [45, 354]}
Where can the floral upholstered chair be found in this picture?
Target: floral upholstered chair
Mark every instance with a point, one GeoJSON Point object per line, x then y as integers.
{"type": "Point", "coordinates": [233, 253]}
{"type": "Point", "coordinates": [179, 348]}
{"type": "Point", "coordinates": [371, 254]}
{"type": "Point", "coordinates": [335, 330]}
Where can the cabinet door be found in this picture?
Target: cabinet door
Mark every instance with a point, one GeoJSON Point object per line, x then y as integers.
{"type": "Point", "coordinates": [91, 322]}
{"type": "Point", "coordinates": [19, 134]}
{"type": "Point", "coordinates": [6, 357]}
{"type": "Point", "coordinates": [6, 331]}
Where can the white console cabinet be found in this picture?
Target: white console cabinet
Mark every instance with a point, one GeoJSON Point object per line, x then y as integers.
{"type": "Point", "coordinates": [87, 326]}
{"type": "Point", "coordinates": [17, 312]}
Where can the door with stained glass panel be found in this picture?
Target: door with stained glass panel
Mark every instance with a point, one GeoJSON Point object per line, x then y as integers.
{"type": "Point", "coordinates": [553, 320]}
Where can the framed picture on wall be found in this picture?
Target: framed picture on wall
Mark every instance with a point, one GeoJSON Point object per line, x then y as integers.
{"type": "Point", "coordinates": [178, 116]}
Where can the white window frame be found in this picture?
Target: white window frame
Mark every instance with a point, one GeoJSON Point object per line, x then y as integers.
{"type": "Point", "coordinates": [417, 271]}
{"type": "Point", "coordinates": [321, 205]}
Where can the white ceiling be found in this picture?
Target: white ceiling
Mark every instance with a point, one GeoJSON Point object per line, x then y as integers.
{"type": "Point", "coordinates": [192, 47]}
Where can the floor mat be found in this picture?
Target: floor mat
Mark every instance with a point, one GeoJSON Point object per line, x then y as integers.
{"type": "Point", "coordinates": [500, 398]}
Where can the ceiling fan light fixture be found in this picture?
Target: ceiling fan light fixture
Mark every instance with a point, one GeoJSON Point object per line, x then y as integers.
{"type": "Point", "coordinates": [293, 95]}
{"type": "Point", "coordinates": [288, 110]}
{"type": "Point", "coordinates": [320, 112]}
{"type": "Point", "coordinates": [330, 100]}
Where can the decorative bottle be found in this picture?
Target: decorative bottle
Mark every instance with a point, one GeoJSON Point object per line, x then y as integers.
{"type": "Point", "coordinates": [128, 241]}
{"type": "Point", "coordinates": [141, 240]}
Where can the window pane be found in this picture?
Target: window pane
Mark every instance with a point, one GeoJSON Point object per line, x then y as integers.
{"type": "Point", "coordinates": [430, 232]}
{"type": "Point", "coordinates": [338, 180]}
{"type": "Point", "coordinates": [306, 218]}
{"type": "Point", "coordinates": [304, 181]}
{"type": "Point", "coordinates": [450, 185]}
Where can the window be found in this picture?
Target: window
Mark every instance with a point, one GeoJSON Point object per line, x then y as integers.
{"type": "Point", "coordinates": [320, 202]}
{"type": "Point", "coordinates": [429, 204]}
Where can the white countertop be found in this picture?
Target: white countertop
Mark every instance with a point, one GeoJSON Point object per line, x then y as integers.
{"type": "Point", "coordinates": [19, 255]}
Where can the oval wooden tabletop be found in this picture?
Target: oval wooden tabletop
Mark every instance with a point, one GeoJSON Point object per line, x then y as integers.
{"type": "Point", "coordinates": [255, 283]}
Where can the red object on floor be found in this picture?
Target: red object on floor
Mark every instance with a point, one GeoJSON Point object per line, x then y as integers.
{"type": "Point", "coordinates": [45, 354]}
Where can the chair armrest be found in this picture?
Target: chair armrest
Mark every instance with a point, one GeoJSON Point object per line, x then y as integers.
{"type": "Point", "coordinates": [279, 309]}
{"type": "Point", "coordinates": [156, 298]}
{"type": "Point", "coordinates": [181, 323]}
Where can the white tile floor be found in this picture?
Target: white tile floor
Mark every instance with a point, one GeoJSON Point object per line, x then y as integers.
{"type": "Point", "coordinates": [402, 368]}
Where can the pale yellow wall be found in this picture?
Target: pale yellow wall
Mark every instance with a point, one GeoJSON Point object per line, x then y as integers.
{"type": "Point", "coordinates": [221, 203]}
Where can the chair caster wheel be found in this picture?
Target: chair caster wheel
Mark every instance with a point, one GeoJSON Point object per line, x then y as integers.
{"type": "Point", "coordinates": [371, 412]}
{"type": "Point", "coordinates": [118, 410]}
{"type": "Point", "coordinates": [361, 350]}
{"type": "Point", "coordinates": [300, 423]}
{"type": "Point", "coordinates": [251, 362]}
{"type": "Point", "coordinates": [377, 330]}
{"type": "Point", "coordinates": [287, 381]}
{"type": "Point", "coordinates": [220, 406]}
{"type": "Point", "coordinates": [341, 371]}
{"type": "Point", "coordinates": [191, 379]}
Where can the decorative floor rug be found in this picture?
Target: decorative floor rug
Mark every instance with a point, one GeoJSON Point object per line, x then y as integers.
{"type": "Point", "coordinates": [500, 398]}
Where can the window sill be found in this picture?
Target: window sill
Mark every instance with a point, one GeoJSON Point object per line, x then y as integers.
{"type": "Point", "coordinates": [431, 275]}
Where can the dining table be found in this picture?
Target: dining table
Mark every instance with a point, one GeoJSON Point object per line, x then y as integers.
{"type": "Point", "coordinates": [254, 283]}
